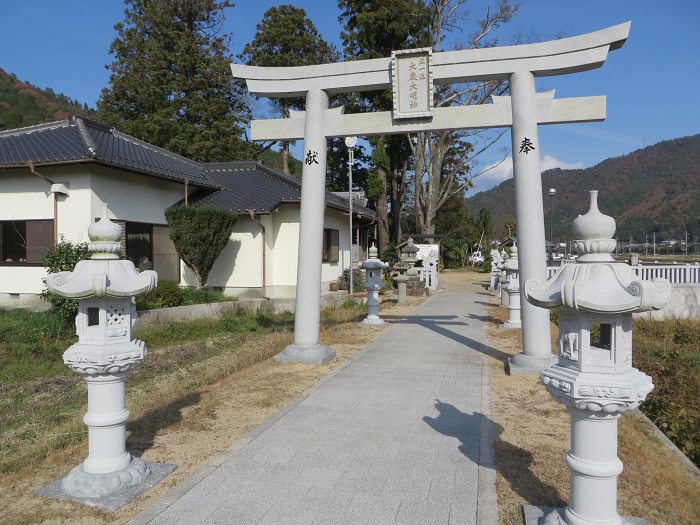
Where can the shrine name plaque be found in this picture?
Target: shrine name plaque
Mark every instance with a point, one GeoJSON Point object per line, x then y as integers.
{"type": "Point", "coordinates": [412, 83]}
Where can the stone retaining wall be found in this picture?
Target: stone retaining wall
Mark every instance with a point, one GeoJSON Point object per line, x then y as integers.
{"type": "Point", "coordinates": [683, 304]}
{"type": "Point", "coordinates": [148, 318]}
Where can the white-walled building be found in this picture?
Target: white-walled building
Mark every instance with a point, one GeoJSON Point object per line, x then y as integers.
{"type": "Point", "coordinates": [261, 257]}
{"type": "Point", "coordinates": [55, 177]}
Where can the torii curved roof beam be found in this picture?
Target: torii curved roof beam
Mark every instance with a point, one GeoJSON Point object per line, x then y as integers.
{"type": "Point", "coordinates": [555, 57]}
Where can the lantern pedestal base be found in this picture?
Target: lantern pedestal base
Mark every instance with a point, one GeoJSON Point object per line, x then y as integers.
{"type": "Point", "coordinates": [94, 485]}
{"type": "Point", "coordinates": [312, 355]}
{"type": "Point", "coordinates": [530, 365]}
{"type": "Point", "coordinates": [373, 321]}
{"type": "Point", "coordinates": [110, 502]}
{"type": "Point", "coordinates": [554, 516]}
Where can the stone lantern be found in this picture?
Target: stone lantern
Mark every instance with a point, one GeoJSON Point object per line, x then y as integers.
{"type": "Point", "coordinates": [401, 268]}
{"type": "Point", "coordinates": [104, 355]}
{"type": "Point", "coordinates": [496, 264]}
{"type": "Point", "coordinates": [373, 283]}
{"type": "Point", "coordinates": [594, 377]}
{"type": "Point", "coordinates": [512, 288]}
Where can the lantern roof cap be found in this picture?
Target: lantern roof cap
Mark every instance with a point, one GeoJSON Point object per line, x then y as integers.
{"type": "Point", "coordinates": [597, 283]}
{"type": "Point", "coordinates": [104, 274]}
{"type": "Point", "coordinates": [410, 247]}
{"type": "Point", "coordinates": [373, 263]}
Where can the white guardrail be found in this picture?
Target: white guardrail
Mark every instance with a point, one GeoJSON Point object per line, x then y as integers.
{"type": "Point", "coordinates": [677, 274]}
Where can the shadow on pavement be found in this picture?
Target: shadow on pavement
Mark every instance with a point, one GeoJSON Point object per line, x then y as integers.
{"type": "Point", "coordinates": [438, 324]}
{"type": "Point", "coordinates": [515, 464]}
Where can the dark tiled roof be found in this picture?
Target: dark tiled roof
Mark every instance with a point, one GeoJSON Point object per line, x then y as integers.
{"type": "Point", "coordinates": [254, 186]}
{"type": "Point", "coordinates": [82, 140]}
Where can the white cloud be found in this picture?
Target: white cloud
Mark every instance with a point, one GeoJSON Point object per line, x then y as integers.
{"type": "Point", "coordinates": [496, 173]}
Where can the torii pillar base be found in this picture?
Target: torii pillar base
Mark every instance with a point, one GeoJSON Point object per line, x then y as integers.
{"type": "Point", "coordinates": [309, 355]}
{"type": "Point", "coordinates": [530, 365]}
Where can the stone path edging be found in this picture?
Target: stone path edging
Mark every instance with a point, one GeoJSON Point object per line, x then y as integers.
{"type": "Point", "coordinates": [667, 443]}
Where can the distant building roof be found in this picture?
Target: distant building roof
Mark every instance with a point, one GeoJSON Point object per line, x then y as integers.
{"type": "Point", "coordinates": [80, 140]}
{"type": "Point", "coordinates": [251, 185]}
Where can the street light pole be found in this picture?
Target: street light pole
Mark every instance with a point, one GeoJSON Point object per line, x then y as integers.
{"type": "Point", "coordinates": [350, 142]}
{"type": "Point", "coordinates": [552, 192]}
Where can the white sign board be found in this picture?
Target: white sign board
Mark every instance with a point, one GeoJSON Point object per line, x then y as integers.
{"type": "Point", "coordinates": [427, 250]}
{"type": "Point", "coordinates": [412, 83]}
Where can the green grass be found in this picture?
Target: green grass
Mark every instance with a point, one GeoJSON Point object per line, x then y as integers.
{"type": "Point", "coordinates": [41, 400]}
{"type": "Point", "coordinates": [31, 344]}
{"type": "Point", "coordinates": [668, 351]}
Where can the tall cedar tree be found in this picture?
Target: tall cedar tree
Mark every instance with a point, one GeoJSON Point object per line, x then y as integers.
{"type": "Point", "coordinates": [285, 37]}
{"type": "Point", "coordinates": [171, 83]}
{"type": "Point", "coordinates": [199, 236]}
{"type": "Point", "coordinates": [372, 29]}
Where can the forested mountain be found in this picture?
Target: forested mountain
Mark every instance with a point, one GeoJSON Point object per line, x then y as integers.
{"type": "Point", "coordinates": [22, 104]}
{"type": "Point", "coordinates": [655, 189]}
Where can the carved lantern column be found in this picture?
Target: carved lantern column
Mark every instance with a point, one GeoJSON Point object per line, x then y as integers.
{"type": "Point", "coordinates": [594, 376]}
{"type": "Point", "coordinates": [401, 267]}
{"type": "Point", "coordinates": [496, 263]}
{"type": "Point", "coordinates": [512, 289]}
{"type": "Point", "coordinates": [104, 355]}
{"type": "Point", "coordinates": [373, 283]}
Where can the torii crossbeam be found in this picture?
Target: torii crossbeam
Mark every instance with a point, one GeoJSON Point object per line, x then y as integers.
{"type": "Point", "coordinates": [411, 74]}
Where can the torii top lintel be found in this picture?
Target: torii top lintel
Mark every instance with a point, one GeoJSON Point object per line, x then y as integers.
{"type": "Point", "coordinates": [555, 57]}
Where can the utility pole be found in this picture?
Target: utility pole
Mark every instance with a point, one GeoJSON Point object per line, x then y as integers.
{"type": "Point", "coordinates": [350, 142]}
{"type": "Point", "coordinates": [654, 243]}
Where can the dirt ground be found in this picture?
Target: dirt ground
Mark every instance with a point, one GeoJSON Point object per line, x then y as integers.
{"type": "Point", "coordinates": [533, 435]}
{"type": "Point", "coordinates": [200, 421]}
{"type": "Point", "coordinates": [196, 423]}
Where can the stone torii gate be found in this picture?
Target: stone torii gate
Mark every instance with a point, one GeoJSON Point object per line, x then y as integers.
{"type": "Point", "coordinates": [411, 75]}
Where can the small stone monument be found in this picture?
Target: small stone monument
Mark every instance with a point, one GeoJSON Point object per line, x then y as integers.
{"type": "Point", "coordinates": [104, 355]}
{"type": "Point", "coordinates": [496, 264]}
{"type": "Point", "coordinates": [414, 285]}
{"type": "Point", "coordinates": [594, 377]}
{"type": "Point", "coordinates": [373, 283]}
{"type": "Point", "coordinates": [503, 281]}
{"type": "Point", "coordinates": [512, 286]}
{"type": "Point", "coordinates": [401, 278]}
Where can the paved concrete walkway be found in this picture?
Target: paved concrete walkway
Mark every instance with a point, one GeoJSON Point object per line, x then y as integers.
{"type": "Point", "coordinates": [402, 434]}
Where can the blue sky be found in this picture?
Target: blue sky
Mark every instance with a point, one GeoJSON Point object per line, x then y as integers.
{"type": "Point", "coordinates": [650, 83]}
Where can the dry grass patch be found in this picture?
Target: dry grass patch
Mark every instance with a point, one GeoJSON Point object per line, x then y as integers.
{"type": "Point", "coordinates": [533, 435]}
{"type": "Point", "coordinates": [192, 413]}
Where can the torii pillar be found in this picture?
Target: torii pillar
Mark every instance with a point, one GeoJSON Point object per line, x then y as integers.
{"type": "Point", "coordinates": [306, 347]}
{"type": "Point", "coordinates": [524, 110]}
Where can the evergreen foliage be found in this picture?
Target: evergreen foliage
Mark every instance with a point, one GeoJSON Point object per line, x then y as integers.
{"type": "Point", "coordinates": [199, 235]}
{"type": "Point", "coordinates": [62, 258]}
{"type": "Point", "coordinates": [285, 37]}
{"type": "Point", "coordinates": [171, 82]}
{"type": "Point", "coordinates": [372, 29]}
{"type": "Point", "coordinates": [23, 104]}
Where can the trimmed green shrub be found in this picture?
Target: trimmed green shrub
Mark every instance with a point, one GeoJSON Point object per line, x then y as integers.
{"type": "Point", "coordinates": [62, 258]}
{"type": "Point", "coordinates": [167, 294]}
{"type": "Point", "coordinates": [199, 235]}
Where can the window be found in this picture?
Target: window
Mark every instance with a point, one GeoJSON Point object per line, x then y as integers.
{"type": "Point", "coordinates": [25, 242]}
{"type": "Point", "coordinates": [138, 242]}
{"type": "Point", "coordinates": [331, 250]}
{"type": "Point", "coordinates": [601, 336]}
